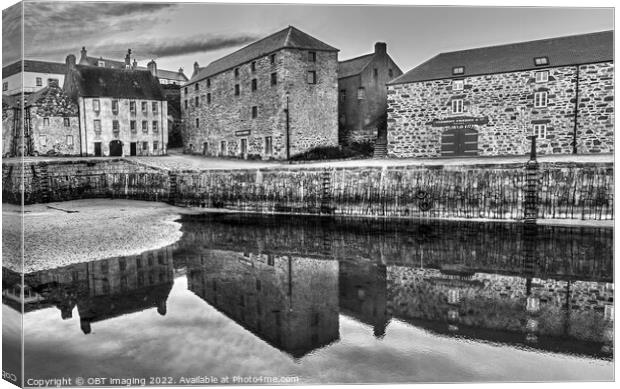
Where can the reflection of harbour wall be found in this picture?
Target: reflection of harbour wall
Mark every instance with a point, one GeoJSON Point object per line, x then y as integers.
{"type": "Point", "coordinates": [491, 301]}
{"type": "Point", "coordinates": [291, 302]}
{"type": "Point", "coordinates": [562, 252]}
{"type": "Point", "coordinates": [568, 190]}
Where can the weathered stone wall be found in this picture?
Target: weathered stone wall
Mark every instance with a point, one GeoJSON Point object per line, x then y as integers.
{"type": "Point", "coordinates": [228, 117]}
{"type": "Point", "coordinates": [8, 115]}
{"type": "Point", "coordinates": [507, 100]}
{"type": "Point", "coordinates": [595, 129]}
{"type": "Point", "coordinates": [568, 191]}
{"type": "Point", "coordinates": [124, 117]}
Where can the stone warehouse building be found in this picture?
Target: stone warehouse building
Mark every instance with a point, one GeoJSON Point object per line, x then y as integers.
{"type": "Point", "coordinates": [274, 98]}
{"type": "Point", "coordinates": [362, 95]}
{"type": "Point", "coordinates": [490, 100]}
{"type": "Point", "coordinates": [122, 111]}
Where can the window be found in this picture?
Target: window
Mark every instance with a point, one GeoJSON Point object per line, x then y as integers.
{"type": "Point", "coordinates": [540, 99]}
{"type": "Point", "coordinates": [274, 79]}
{"type": "Point", "coordinates": [457, 85]}
{"type": "Point", "coordinates": [361, 93]}
{"type": "Point", "coordinates": [197, 122]}
{"type": "Point", "coordinates": [272, 58]}
{"type": "Point", "coordinates": [101, 63]}
{"type": "Point", "coordinates": [115, 107]}
{"type": "Point", "coordinates": [254, 112]}
{"type": "Point", "coordinates": [197, 101]}
{"type": "Point", "coordinates": [39, 81]}
{"type": "Point", "coordinates": [67, 122]}
{"type": "Point", "coordinates": [253, 66]}
{"type": "Point", "coordinates": [208, 98]}
{"type": "Point", "coordinates": [52, 82]}
{"type": "Point", "coordinates": [196, 86]}
{"type": "Point", "coordinates": [185, 103]}
{"type": "Point", "coordinates": [542, 76]}
{"type": "Point", "coordinates": [145, 126]}
{"type": "Point", "coordinates": [540, 130]}
{"type": "Point", "coordinates": [145, 146]}
{"type": "Point", "coordinates": [236, 72]}
{"type": "Point", "coordinates": [457, 106]}
{"type": "Point", "coordinates": [154, 106]}
{"type": "Point", "coordinates": [458, 70]}
{"type": "Point", "coordinates": [97, 125]}
{"type": "Point", "coordinates": [254, 84]}
{"type": "Point", "coordinates": [343, 95]}
{"type": "Point", "coordinates": [132, 107]}
{"type": "Point", "coordinates": [69, 140]}
{"type": "Point", "coordinates": [237, 90]}
{"type": "Point", "coordinates": [155, 145]}
{"type": "Point", "coordinates": [375, 73]}
{"type": "Point", "coordinates": [132, 126]}
{"type": "Point", "coordinates": [115, 127]}
{"type": "Point", "coordinates": [96, 106]}
{"type": "Point", "coordinates": [541, 61]}
{"type": "Point", "coordinates": [155, 126]}
{"type": "Point", "coordinates": [268, 145]}
{"type": "Point", "coordinates": [390, 73]}
{"type": "Point", "coordinates": [46, 122]}
{"type": "Point", "coordinates": [43, 140]}
{"type": "Point", "coordinates": [186, 90]}
{"type": "Point", "coordinates": [145, 107]}
{"type": "Point", "coordinates": [311, 77]}
{"type": "Point", "coordinates": [223, 147]}
{"type": "Point", "coordinates": [208, 83]}
{"type": "Point", "coordinates": [311, 56]}
{"type": "Point", "coordinates": [5, 86]}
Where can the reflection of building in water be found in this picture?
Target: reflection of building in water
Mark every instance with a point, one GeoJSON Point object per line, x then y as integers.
{"type": "Point", "coordinates": [502, 308]}
{"type": "Point", "coordinates": [104, 289]}
{"type": "Point", "coordinates": [291, 302]}
{"type": "Point", "coordinates": [362, 286]}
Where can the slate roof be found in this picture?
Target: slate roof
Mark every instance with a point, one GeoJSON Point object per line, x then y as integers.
{"type": "Point", "coordinates": [109, 63]}
{"type": "Point", "coordinates": [290, 37]}
{"type": "Point", "coordinates": [562, 51]}
{"type": "Point", "coordinates": [168, 74]}
{"type": "Point", "coordinates": [354, 66]}
{"type": "Point", "coordinates": [34, 67]}
{"type": "Point", "coordinates": [93, 81]}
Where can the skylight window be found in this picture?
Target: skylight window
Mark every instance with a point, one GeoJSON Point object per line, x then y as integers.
{"type": "Point", "coordinates": [541, 61]}
{"type": "Point", "coordinates": [458, 70]}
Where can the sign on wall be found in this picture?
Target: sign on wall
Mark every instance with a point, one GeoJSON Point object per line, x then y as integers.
{"type": "Point", "coordinates": [459, 122]}
{"type": "Point", "coordinates": [242, 133]}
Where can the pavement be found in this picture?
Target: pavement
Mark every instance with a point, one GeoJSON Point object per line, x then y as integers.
{"type": "Point", "coordinates": [176, 160]}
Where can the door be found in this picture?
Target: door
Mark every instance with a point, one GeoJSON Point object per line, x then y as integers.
{"type": "Point", "coordinates": [459, 142]}
{"type": "Point", "coordinates": [244, 147]}
{"type": "Point", "coordinates": [205, 148]}
{"type": "Point", "coordinates": [116, 148]}
{"type": "Point", "coordinates": [97, 149]}
{"type": "Point", "coordinates": [133, 148]}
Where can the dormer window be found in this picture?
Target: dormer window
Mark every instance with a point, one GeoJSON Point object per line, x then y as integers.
{"type": "Point", "coordinates": [458, 70]}
{"type": "Point", "coordinates": [101, 63]}
{"type": "Point", "coordinates": [312, 56]}
{"type": "Point", "coordinates": [457, 84]}
{"type": "Point", "coordinates": [541, 61]}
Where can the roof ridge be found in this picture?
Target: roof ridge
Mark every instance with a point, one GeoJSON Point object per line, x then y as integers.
{"type": "Point", "coordinates": [358, 57]}
{"type": "Point", "coordinates": [526, 42]}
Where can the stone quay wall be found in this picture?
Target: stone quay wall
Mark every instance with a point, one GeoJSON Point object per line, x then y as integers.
{"type": "Point", "coordinates": [568, 190]}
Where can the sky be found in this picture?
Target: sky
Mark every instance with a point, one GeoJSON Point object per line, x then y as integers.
{"type": "Point", "coordinates": [178, 34]}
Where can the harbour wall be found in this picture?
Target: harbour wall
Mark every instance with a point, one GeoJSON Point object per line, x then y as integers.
{"type": "Point", "coordinates": [582, 191]}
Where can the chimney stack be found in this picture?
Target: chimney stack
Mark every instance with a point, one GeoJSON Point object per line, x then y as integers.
{"type": "Point", "coordinates": [196, 68]}
{"type": "Point", "coordinates": [180, 70]}
{"type": "Point", "coordinates": [152, 67]}
{"type": "Point", "coordinates": [135, 64]}
{"type": "Point", "coordinates": [128, 59]}
{"type": "Point", "coordinates": [83, 60]}
{"type": "Point", "coordinates": [70, 62]}
{"type": "Point", "coordinates": [381, 48]}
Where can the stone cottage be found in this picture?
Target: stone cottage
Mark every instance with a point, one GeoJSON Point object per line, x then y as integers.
{"type": "Point", "coordinates": [362, 95]}
{"type": "Point", "coordinates": [50, 124]}
{"type": "Point", "coordinates": [274, 98]}
{"type": "Point", "coordinates": [491, 100]}
{"type": "Point", "coordinates": [122, 111]}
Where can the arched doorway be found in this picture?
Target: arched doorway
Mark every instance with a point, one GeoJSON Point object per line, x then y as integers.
{"type": "Point", "coordinates": [116, 148]}
{"type": "Point", "coordinates": [459, 142]}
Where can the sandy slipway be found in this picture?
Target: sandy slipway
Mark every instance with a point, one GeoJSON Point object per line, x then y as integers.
{"type": "Point", "coordinates": [58, 234]}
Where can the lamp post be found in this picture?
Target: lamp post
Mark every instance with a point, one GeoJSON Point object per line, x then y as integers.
{"type": "Point", "coordinates": [288, 143]}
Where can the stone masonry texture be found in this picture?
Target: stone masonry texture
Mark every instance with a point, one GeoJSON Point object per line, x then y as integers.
{"type": "Point", "coordinates": [507, 100]}
{"type": "Point", "coordinates": [214, 114]}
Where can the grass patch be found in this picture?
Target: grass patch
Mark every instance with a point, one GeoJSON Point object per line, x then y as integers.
{"type": "Point", "coordinates": [353, 151]}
